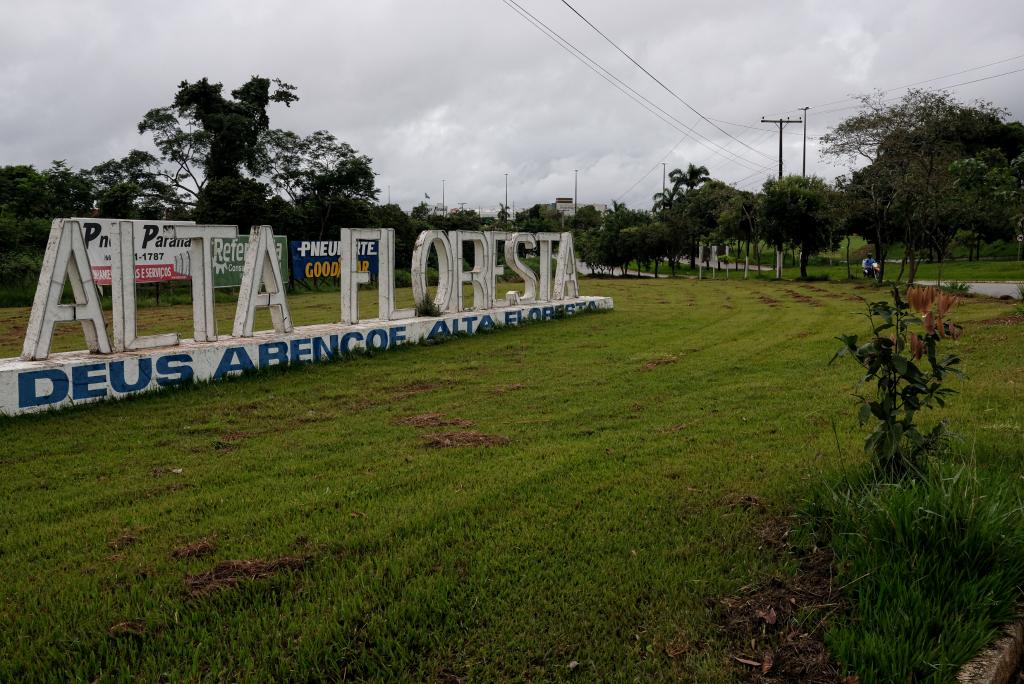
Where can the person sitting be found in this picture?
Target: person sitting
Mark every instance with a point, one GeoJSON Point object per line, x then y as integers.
{"type": "Point", "coordinates": [870, 267]}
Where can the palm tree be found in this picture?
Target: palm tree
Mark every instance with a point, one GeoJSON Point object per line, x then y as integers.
{"type": "Point", "coordinates": [663, 201]}
{"type": "Point", "coordinates": [693, 177]}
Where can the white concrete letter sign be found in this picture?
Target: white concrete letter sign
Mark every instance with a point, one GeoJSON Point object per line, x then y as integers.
{"type": "Point", "coordinates": [204, 323]}
{"type": "Point", "coordinates": [443, 298]}
{"type": "Point", "coordinates": [512, 258]}
{"type": "Point", "coordinates": [65, 257]}
{"type": "Point", "coordinates": [565, 270]}
{"type": "Point", "coordinates": [88, 252]}
{"type": "Point", "coordinates": [122, 292]}
{"type": "Point", "coordinates": [478, 276]}
{"type": "Point", "coordinates": [261, 268]}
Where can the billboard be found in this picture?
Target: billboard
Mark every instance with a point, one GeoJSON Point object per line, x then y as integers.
{"type": "Point", "coordinates": [319, 258]}
{"type": "Point", "coordinates": [229, 259]}
{"type": "Point", "coordinates": [159, 256]}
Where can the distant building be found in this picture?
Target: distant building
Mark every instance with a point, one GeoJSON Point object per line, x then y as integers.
{"type": "Point", "coordinates": [565, 205]}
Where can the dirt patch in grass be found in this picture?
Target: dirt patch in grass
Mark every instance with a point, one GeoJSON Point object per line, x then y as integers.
{"type": "Point", "coordinates": [229, 441]}
{"type": "Point", "coordinates": [815, 288]}
{"type": "Point", "coordinates": [124, 540]}
{"type": "Point", "coordinates": [1012, 319]}
{"type": "Point", "coordinates": [411, 390]}
{"type": "Point", "coordinates": [231, 573]}
{"type": "Point", "coordinates": [802, 298]}
{"type": "Point", "coordinates": [197, 549]}
{"type": "Point", "coordinates": [399, 392]}
{"type": "Point", "coordinates": [768, 301]}
{"type": "Point", "coordinates": [160, 471]}
{"type": "Point", "coordinates": [444, 440]}
{"type": "Point", "coordinates": [661, 361]}
{"type": "Point", "coordinates": [744, 501]}
{"type": "Point", "coordinates": [423, 420]}
{"type": "Point", "coordinates": [778, 624]}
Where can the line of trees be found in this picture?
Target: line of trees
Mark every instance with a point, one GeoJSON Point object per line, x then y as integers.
{"type": "Point", "coordinates": [927, 172]}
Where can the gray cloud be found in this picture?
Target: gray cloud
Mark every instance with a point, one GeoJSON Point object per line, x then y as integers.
{"type": "Point", "coordinates": [466, 90]}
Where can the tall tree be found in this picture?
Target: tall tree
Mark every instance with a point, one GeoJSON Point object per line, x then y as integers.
{"type": "Point", "coordinates": [328, 180]}
{"type": "Point", "coordinates": [797, 211]}
{"type": "Point", "coordinates": [203, 135]}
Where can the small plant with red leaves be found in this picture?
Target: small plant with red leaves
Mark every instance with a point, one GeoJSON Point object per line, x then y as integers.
{"type": "Point", "coordinates": [903, 385]}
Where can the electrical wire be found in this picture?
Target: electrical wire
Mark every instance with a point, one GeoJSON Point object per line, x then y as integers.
{"type": "Point", "coordinates": [618, 83]}
{"type": "Point", "coordinates": [656, 80]}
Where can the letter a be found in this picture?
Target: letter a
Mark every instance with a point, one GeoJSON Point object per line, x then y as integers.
{"type": "Point", "coordinates": [261, 268]}
{"type": "Point", "coordinates": [565, 269]}
{"type": "Point", "coordinates": [65, 258]}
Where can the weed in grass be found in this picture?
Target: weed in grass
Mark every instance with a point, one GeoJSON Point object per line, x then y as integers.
{"type": "Point", "coordinates": [933, 566]}
{"type": "Point", "coordinates": [427, 307]}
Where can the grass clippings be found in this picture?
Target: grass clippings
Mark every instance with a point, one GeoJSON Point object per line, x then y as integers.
{"type": "Point", "coordinates": [423, 420]}
{"type": "Point", "coordinates": [447, 440]}
{"type": "Point", "coordinates": [197, 549]}
{"type": "Point", "coordinates": [660, 361]}
{"type": "Point", "coordinates": [778, 624]}
{"type": "Point", "coordinates": [1012, 319]}
{"type": "Point", "coordinates": [802, 298]}
{"type": "Point", "coordinates": [127, 628]}
{"type": "Point", "coordinates": [231, 573]}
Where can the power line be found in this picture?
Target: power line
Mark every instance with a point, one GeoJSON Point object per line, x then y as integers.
{"type": "Point", "coordinates": [643, 177]}
{"type": "Point", "coordinates": [655, 79]}
{"type": "Point", "coordinates": [949, 87]}
{"type": "Point", "coordinates": [632, 93]}
{"type": "Point", "coordinates": [916, 83]}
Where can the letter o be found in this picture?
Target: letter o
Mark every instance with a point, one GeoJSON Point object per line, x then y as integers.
{"type": "Point", "coordinates": [446, 272]}
{"type": "Point", "coordinates": [374, 335]}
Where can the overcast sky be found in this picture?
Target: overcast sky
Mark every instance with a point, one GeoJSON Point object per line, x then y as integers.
{"type": "Point", "coordinates": [467, 90]}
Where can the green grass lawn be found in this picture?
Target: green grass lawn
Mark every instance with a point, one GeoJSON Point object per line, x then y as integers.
{"type": "Point", "coordinates": [599, 535]}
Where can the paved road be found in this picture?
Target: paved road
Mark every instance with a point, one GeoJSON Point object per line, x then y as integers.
{"type": "Point", "coordinates": [990, 289]}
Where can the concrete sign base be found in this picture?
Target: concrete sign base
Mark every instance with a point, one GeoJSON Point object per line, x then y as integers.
{"type": "Point", "coordinates": [70, 378]}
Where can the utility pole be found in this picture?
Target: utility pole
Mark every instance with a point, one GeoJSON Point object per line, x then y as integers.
{"type": "Point", "coordinates": [804, 172]}
{"type": "Point", "coordinates": [389, 194]}
{"type": "Point", "coordinates": [780, 123]}
{"type": "Point", "coordinates": [506, 192]}
{"type": "Point", "coordinates": [664, 188]}
{"type": "Point", "coordinates": [444, 209]}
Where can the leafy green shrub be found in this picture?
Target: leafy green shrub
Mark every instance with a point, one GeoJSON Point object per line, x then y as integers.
{"type": "Point", "coordinates": [896, 445]}
{"type": "Point", "coordinates": [956, 287]}
{"type": "Point", "coordinates": [931, 568]}
{"type": "Point", "coordinates": [403, 278]}
{"type": "Point", "coordinates": [427, 307]}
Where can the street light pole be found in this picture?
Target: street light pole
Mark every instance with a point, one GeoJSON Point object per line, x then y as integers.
{"type": "Point", "coordinates": [506, 196]}
{"type": "Point", "coordinates": [575, 190]}
{"type": "Point", "coordinates": [444, 209]}
{"type": "Point", "coordinates": [664, 188]}
{"type": "Point", "coordinates": [804, 173]}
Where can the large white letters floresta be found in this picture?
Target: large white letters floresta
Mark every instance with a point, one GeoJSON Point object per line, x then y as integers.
{"type": "Point", "coordinates": [120, 362]}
